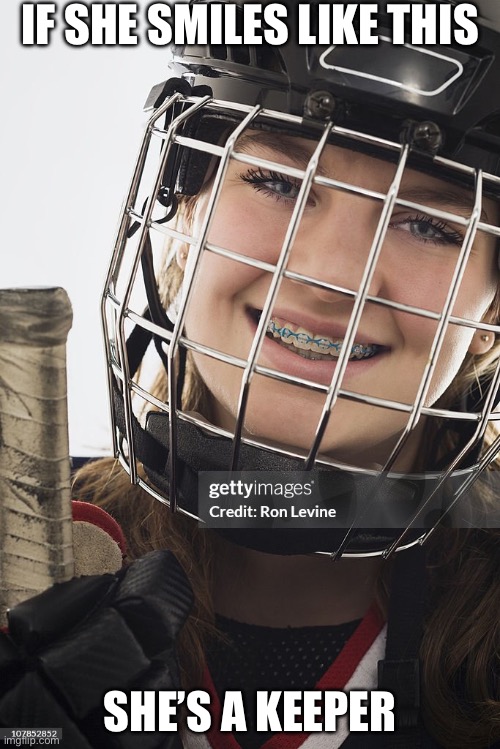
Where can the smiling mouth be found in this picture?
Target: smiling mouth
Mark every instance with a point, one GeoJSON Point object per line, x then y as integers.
{"type": "Point", "coordinates": [312, 346]}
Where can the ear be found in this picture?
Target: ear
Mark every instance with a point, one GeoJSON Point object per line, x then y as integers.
{"type": "Point", "coordinates": [481, 342]}
{"type": "Point", "coordinates": [182, 255]}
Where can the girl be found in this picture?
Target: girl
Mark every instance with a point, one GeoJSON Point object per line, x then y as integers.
{"type": "Point", "coordinates": [328, 300]}
{"type": "Point", "coordinates": [326, 309]}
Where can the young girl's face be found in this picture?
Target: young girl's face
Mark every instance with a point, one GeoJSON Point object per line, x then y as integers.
{"type": "Point", "coordinates": [391, 348]}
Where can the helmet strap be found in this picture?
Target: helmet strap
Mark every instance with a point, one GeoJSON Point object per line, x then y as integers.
{"type": "Point", "coordinates": [399, 672]}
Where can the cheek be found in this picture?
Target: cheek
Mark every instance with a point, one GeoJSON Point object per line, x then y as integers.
{"type": "Point", "coordinates": [243, 224]}
{"type": "Point", "coordinates": [418, 334]}
{"type": "Point", "coordinates": [422, 277]}
{"type": "Point", "coordinates": [480, 283]}
{"type": "Point", "coordinates": [425, 282]}
{"type": "Point", "coordinates": [241, 227]}
{"type": "Point", "coordinates": [452, 355]}
{"type": "Point", "coordinates": [416, 281]}
{"type": "Point", "coordinates": [218, 277]}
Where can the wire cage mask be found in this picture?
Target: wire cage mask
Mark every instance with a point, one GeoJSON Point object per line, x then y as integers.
{"type": "Point", "coordinates": [175, 443]}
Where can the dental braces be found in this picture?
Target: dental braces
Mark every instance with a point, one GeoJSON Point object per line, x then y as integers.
{"type": "Point", "coordinates": [359, 350]}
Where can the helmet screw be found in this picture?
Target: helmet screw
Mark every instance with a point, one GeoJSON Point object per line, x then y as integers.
{"type": "Point", "coordinates": [320, 105]}
{"type": "Point", "coordinates": [427, 136]}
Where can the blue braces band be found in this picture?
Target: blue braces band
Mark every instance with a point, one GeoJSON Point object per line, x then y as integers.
{"type": "Point", "coordinates": [322, 343]}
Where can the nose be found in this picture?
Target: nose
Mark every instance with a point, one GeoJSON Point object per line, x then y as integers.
{"type": "Point", "coordinates": [333, 244]}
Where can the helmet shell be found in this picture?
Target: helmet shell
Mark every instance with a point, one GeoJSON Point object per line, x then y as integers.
{"type": "Point", "coordinates": [371, 88]}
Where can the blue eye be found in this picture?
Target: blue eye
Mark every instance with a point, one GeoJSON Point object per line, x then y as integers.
{"type": "Point", "coordinates": [428, 229]}
{"type": "Point", "coordinates": [275, 185]}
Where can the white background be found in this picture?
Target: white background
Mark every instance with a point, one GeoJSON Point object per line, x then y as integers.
{"type": "Point", "coordinates": [70, 128]}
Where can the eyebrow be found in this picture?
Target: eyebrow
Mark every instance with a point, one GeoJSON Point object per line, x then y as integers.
{"type": "Point", "coordinates": [444, 198]}
{"type": "Point", "coordinates": [281, 144]}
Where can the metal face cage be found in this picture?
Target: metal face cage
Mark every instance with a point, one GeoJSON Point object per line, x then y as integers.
{"type": "Point", "coordinates": [148, 240]}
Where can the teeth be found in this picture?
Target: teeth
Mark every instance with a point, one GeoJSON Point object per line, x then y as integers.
{"type": "Point", "coordinates": [304, 340]}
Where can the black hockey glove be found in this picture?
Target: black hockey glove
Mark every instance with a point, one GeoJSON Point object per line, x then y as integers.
{"type": "Point", "coordinates": [76, 641]}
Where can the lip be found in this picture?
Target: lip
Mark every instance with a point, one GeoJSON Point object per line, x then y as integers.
{"type": "Point", "coordinates": [319, 371]}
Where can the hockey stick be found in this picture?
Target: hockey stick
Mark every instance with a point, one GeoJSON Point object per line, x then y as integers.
{"type": "Point", "coordinates": [36, 547]}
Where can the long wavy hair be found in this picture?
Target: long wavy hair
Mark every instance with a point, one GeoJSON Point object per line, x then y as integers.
{"type": "Point", "coordinates": [460, 649]}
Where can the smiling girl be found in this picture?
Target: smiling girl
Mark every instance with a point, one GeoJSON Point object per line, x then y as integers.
{"type": "Point", "coordinates": [315, 233]}
{"type": "Point", "coordinates": [308, 324]}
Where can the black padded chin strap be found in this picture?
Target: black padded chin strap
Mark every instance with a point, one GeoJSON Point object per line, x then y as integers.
{"type": "Point", "coordinates": [399, 672]}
